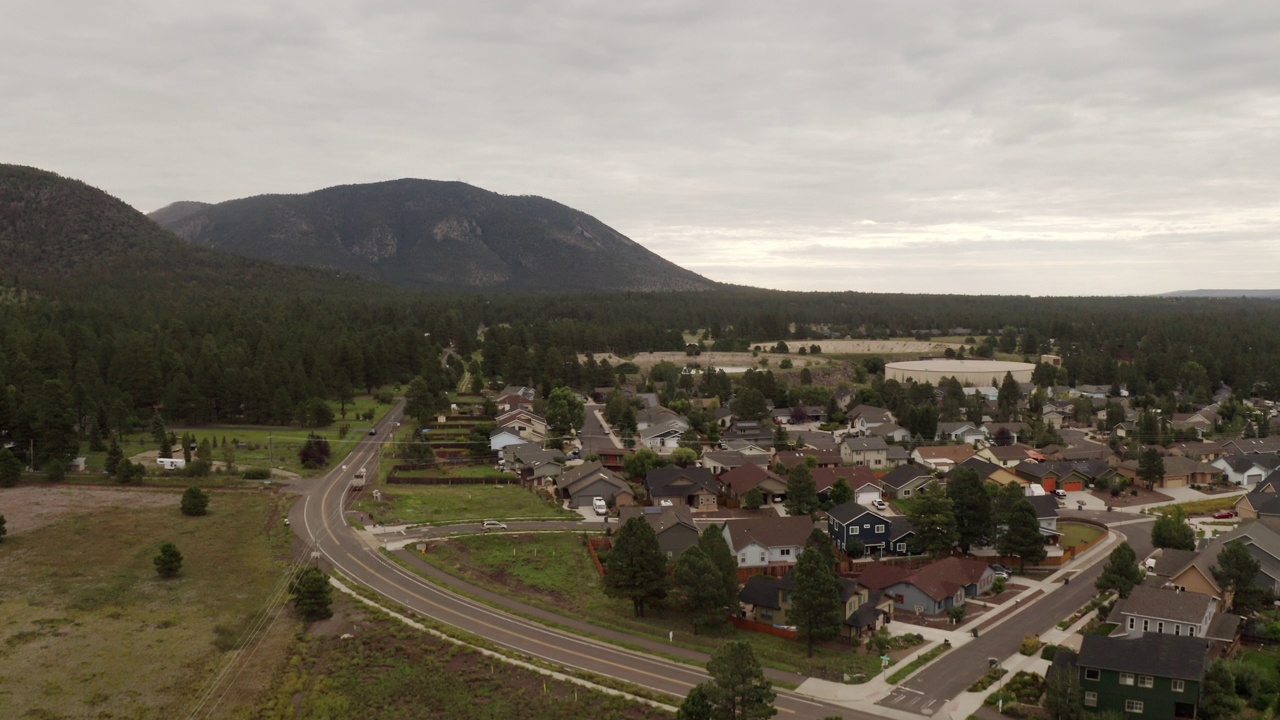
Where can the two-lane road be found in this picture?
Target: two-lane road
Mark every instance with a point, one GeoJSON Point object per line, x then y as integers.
{"type": "Point", "coordinates": [319, 518]}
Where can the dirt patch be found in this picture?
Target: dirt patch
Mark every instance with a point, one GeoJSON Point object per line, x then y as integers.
{"type": "Point", "coordinates": [30, 508]}
{"type": "Point", "coordinates": [1127, 498]}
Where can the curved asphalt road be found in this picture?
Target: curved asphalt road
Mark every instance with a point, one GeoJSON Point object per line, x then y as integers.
{"type": "Point", "coordinates": [319, 518]}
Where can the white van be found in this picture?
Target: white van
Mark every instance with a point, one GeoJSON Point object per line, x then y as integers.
{"type": "Point", "coordinates": [600, 506]}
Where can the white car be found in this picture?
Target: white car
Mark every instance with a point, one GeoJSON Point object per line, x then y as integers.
{"type": "Point", "coordinates": [600, 506]}
{"type": "Point", "coordinates": [1060, 493]}
{"type": "Point", "coordinates": [494, 525]}
{"type": "Point", "coordinates": [879, 504]}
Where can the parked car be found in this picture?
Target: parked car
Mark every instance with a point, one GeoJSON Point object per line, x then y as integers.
{"type": "Point", "coordinates": [373, 431]}
{"type": "Point", "coordinates": [1224, 514]}
{"type": "Point", "coordinates": [880, 504]}
{"type": "Point", "coordinates": [1060, 493]}
{"type": "Point", "coordinates": [600, 506]}
{"type": "Point", "coordinates": [494, 525]}
{"type": "Point", "coordinates": [997, 568]}
{"type": "Point", "coordinates": [1003, 575]}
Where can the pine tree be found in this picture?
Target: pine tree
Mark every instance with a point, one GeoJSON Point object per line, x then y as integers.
{"type": "Point", "coordinates": [840, 492]}
{"type": "Point", "coordinates": [696, 705]}
{"type": "Point", "coordinates": [717, 549]}
{"type": "Point", "coordinates": [1121, 572]}
{"type": "Point", "coordinates": [10, 467]}
{"type": "Point", "coordinates": [1150, 467]}
{"type": "Point", "coordinates": [802, 492]}
{"type": "Point", "coordinates": [934, 521]}
{"type": "Point", "coordinates": [1173, 531]}
{"type": "Point", "coordinates": [636, 568]}
{"type": "Point", "coordinates": [1022, 537]}
{"type": "Point", "coordinates": [194, 502]}
{"type": "Point", "coordinates": [1218, 698]}
{"type": "Point", "coordinates": [169, 561]}
{"type": "Point", "coordinates": [696, 590]}
{"type": "Point", "coordinates": [3, 530]}
{"type": "Point", "coordinates": [114, 456]}
{"type": "Point", "coordinates": [971, 505]}
{"type": "Point", "coordinates": [738, 689]}
{"type": "Point", "coordinates": [312, 594]}
{"type": "Point", "coordinates": [815, 601]}
{"type": "Point", "coordinates": [1234, 572]}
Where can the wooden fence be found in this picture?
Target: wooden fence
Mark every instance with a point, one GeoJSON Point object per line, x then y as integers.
{"type": "Point", "coordinates": [753, 626]}
{"type": "Point", "coordinates": [598, 542]}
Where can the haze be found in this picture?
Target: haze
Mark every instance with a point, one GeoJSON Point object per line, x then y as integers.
{"type": "Point", "coordinates": [1037, 148]}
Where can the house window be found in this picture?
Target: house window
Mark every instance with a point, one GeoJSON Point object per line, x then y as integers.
{"type": "Point", "coordinates": [906, 493]}
{"type": "Point", "coordinates": [879, 529]}
{"type": "Point", "coordinates": [742, 559]}
{"type": "Point", "coordinates": [1126, 678]}
{"type": "Point", "coordinates": [854, 530]}
{"type": "Point", "coordinates": [1133, 706]}
{"type": "Point", "coordinates": [1146, 681]}
{"type": "Point", "coordinates": [761, 557]}
{"type": "Point", "coordinates": [902, 547]}
{"type": "Point", "coordinates": [1177, 629]}
{"type": "Point", "coordinates": [1133, 623]}
{"type": "Point", "coordinates": [1160, 627]}
{"type": "Point", "coordinates": [1091, 699]}
{"type": "Point", "coordinates": [785, 552]}
{"type": "Point", "coordinates": [1092, 674]}
{"type": "Point", "coordinates": [1191, 630]}
{"type": "Point", "coordinates": [1177, 685]}
{"type": "Point", "coordinates": [1146, 626]}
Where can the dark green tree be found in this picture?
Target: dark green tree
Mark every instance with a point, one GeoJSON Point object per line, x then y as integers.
{"type": "Point", "coordinates": [10, 468]}
{"type": "Point", "coordinates": [114, 456]}
{"type": "Point", "coordinates": [753, 499]}
{"type": "Point", "coordinates": [749, 404]}
{"type": "Point", "coordinates": [420, 401]}
{"type": "Point", "coordinates": [802, 491]}
{"type": "Point", "coordinates": [971, 505]}
{"type": "Point", "coordinates": [1007, 397]}
{"type": "Point", "coordinates": [716, 548]}
{"type": "Point", "coordinates": [55, 470]}
{"type": "Point", "coordinates": [169, 561]}
{"type": "Point", "coordinates": [639, 464]}
{"type": "Point", "coordinates": [1234, 572]}
{"type": "Point", "coordinates": [738, 689]}
{"type": "Point", "coordinates": [312, 594]}
{"type": "Point", "coordinates": [636, 568]}
{"type": "Point", "coordinates": [696, 589]}
{"type": "Point", "coordinates": [315, 451]}
{"type": "Point", "coordinates": [1218, 699]}
{"type": "Point", "coordinates": [840, 492]}
{"type": "Point", "coordinates": [696, 705]}
{"type": "Point", "coordinates": [1121, 572]}
{"type": "Point", "coordinates": [1022, 537]}
{"type": "Point", "coordinates": [194, 501]}
{"type": "Point", "coordinates": [1150, 468]}
{"type": "Point", "coordinates": [815, 600]}
{"type": "Point", "coordinates": [565, 412]}
{"type": "Point", "coordinates": [934, 520]}
{"type": "Point", "coordinates": [1172, 530]}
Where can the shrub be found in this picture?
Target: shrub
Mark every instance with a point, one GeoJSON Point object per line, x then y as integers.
{"type": "Point", "coordinates": [1030, 644]}
{"type": "Point", "coordinates": [195, 501]}
{"type": "Point", "coordinates": [1101, 484]}
{"type": "Point", "coordinates": [1133, 492]}
{"type": "Point", "coordinates": [257, 473]}
{"type": "Point", "coordinates": [997, 586]}
{"type": "Point", "coordinates": [1048, 652]}
{"type": "Point", "coordinates": [991, 678]}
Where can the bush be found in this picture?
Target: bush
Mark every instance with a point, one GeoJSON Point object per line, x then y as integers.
{"type": "Point", "coordinates": [1048, 652]}
{"type": "Point", "coordinates": [991, 678]}
{"type": "Point", "coordinates": [1133, 492]}
{"type": "Point", "coordinates": [1030, 644]}
{"type": "Point", "coordinates": [257, 473]}
{"type": "Point", "coordinates": [195, 502]}
{"type": "Point", "coordinates": [997, 586]}
{"type": "Point", "coordinates": [1101, 484]}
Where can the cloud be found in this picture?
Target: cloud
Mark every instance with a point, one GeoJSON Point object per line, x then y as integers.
{"type": "Point", "coordinates": [899, 143]}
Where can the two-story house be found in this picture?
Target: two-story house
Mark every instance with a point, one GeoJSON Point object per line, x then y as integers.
{"type": "Point", "coordinates": [764, 541]}
{"type": "Point", "coordinates": [863, 418]}
{"type": "Point", "coordinates": [528, 425]}
{"type": "Point", "coordinates": [767, 599]}
{"type": "Point", "coordinates": [1155, 675]}
{"type": "Point", "coordinates": [871, 451]}
{"type": "Point", "coordinates": [878, 533]}
{"type": "Point", "coordinates": [905, 481]}
{"type": "Point", "coordinates": [1167, 611]}
{"type": "Point", "coordinates": [673, 525]}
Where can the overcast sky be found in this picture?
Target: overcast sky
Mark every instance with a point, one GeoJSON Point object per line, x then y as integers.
{"type": "Point", "coordinates": [1040, 148]}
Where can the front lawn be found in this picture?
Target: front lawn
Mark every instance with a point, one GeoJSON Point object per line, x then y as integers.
{"type": "Point", "coordinates": [1074, 534]}
{"type": "Point", "coordinates": [448, 504]}
{"type": "Point", "coordinates": [554, 572]}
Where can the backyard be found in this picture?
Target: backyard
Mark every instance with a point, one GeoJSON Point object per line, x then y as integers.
{"type": "Point", "coordinates": [448, 504]}
{"type": "Point", "coordinates": [554, 572]}
{"type": "Point", "coordinates": [1074, 534]}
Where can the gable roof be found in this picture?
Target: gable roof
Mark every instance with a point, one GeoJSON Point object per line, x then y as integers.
{"type": "Point", "coordinates": [579, 477]}
{"type": "Point", "coordinates": [870, 443]}
{"type": "Point", "coordinates": [871, 415]}
{"type": "Point", "coordinates": [791, 458]}
{"type": "Point", "coordinates": [844, 512]}
{"type": "Point", "coordinates": [743, 478]}
{"type": "Point", "coordinates": [1046, 506]}
{"type": "Point", "coordinates": [942, 578]}
{"type": "Point", "coordinates": [1173, 561]}
{"type": "Point", "coordinates": [954, 453]}
{"type": "Point", "coordinates": [1243, 463]}
{"type": "Point", "coordinates": [769, 532]}
{"type": "Point", "coordinates": [878, 576]}
{"type": "Point", "coordinates": [673, 480]}
{"type": "Point", "coordinates": [984, 468]}
{"type": "Point", "coordinates": [761, 591]}
{"type": "Point", "coordinates": [1185, 607]}
{"type": "Point", "coordinates": [900, 476]}
{"type": "Point", "coordinates": [1156, 654]}
{"type": "Point", "coordinates": [661, 519]}
{"type": "Point", "coordinates": [856, 475]}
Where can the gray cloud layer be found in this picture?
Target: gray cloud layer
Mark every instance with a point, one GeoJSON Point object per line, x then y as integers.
{"type": "Point", "coordinates": [1045, 148]}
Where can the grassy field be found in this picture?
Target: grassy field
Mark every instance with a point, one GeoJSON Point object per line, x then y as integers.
{"type": "Point", "coordinates": [1076, 533]}
{"type": "Point", "coordinates": [444, 504]}
{"type": "Point", "coordinates": [554, 572]}
{"type": "Point", "coordinates": [1199, 507]}
{"type": "Point", "coordinates": [393, 672]}
{"type": "Point", "coordinates": [87, 629]}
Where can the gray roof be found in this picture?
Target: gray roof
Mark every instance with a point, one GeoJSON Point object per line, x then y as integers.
{"type": "Point", "coordinates": [903, 474]}
{"type": "Point", "coordinates": [847, 511]}
{"type": "Point", "coordinates": [761, 591]}
{"type": "Point", "coordinates": [1224, 626]}
{"type": "Point", "coordinates": [1046, 506]}
{"type": "Point", "coordinates": [1184, 607]}
{"type": "Point", "coordinates": [1156, 654]}
{"type": "Point", "coordinates": [861, 444]}
{"type": "Point", "coordinates": [1242, 463]}
{"type": "Point", "coordinates": [1173, 561]}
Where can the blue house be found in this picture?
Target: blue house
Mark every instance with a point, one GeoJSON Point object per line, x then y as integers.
{"type": "Point", "coordinates": [877, 533]}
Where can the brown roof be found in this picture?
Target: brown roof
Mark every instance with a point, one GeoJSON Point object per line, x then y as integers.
{"type": "Point", "coordinates": [856, 475]}
{"type": "Point", "coordinates": [879, 576]}
{"type": "Point", "coordinates": [943, 578]}
{"type": "Point", "coordinates": [791, 458]}
{"type": "Point", "coordinates": [741, 479]}
{"type": "Point", "coordinates": [769, 531]}
{"type": "Point", "coordinates": [955, 453]}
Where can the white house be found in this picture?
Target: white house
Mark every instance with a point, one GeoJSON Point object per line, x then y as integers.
{"type": "Point", "coordinates": [1249, 469]}
{"type": "Point", "coordinates": [502, 437]}
{"type": "Point", "coordinates": [761, 541]}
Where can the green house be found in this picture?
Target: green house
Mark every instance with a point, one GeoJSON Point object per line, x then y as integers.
{"type": "Point", "coordinates": [1155, 676]}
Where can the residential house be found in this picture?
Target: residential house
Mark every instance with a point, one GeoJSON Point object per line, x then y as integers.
{"type": "Point", "coordinates": [581, 484]}
{"type": "Point", "coordinates": [1015, 430]}
{"type": "Point", "coordinates": [611, 457]}
{"type": "Point", "coordinates": [988, 471]}
{"type": "Point", "coordinates": [662, 437]}
{"type": "Point", "coordinates": [799, 414]}
{"type": "Point", "coordinates": [528, 425]}
{"type": "Point", "coordinates": [1264, 501]}
{"type": "Point", "coordinates": [1200, 422]}
{"type": "Point", "coordinates": [673, 526]}
{"type": "Point", "coordinates": [512, 401]}
{"type": "Point", "coordinates": [767, 599]}
{"type": "Point", "coordinates": [673, 485]}
{"type": "Point", "coordinates": [933, 589]}
{"type": "Point", "coordinates": [896, 456]}
{"type": "Point", "coordinates": [1261, 537]}
{"type": "Point", "coordinates": [878, 532]}
{"type": "Point", "coordinates": [988, 393]}
{"type": "Point", "coordinates": [963, 432]}
{"type": "Point", "coordinates": [722, 461]}
{"type": "Point", "coordinates": [1155, 675]}
{"type": "Point", "coordinates": [1242, 446]}
{"type": "Point", "coordinates": [1203, 451]}
{"type": "Point", "coordinates": [870, 451]}
{"type": "Point", "coordinates": [744, 478]}
{"type": "Point", "coordinates": [502, 438]}
{"type": "Point", "coordinates": [815, 439]}
{"type": "Point", "coordinates": [1178, 472]}
{"type": "Point", "coordinates": [941, 457]}
{"type": "Point", "coordinates": [767, 541]}
{"type": "Point", "coordinates": [749, 430]}
{"type": "Point", "coordinates": [1164, 610]}
{"type": "Point", "coordinates": [527, 393]}
{"type": "Point", "coordinates": [1053, 475]}
{"type": "Point", "coordinates": [1010, 455]}
{"type": "Point", "coordinates": [791, 458]}
{"type": "Point", "coordinates": [532, 462]}
{"type": "Point", "coordinates": [652, 416]}
{"type": "Point", "coordinates": [905, 481]}
{"type": "Point", "coordinates": [863, 418]}
{"type": "Point", "coordinates": [1247, 470]}
{"type": "Point", "coordinates": [891, 433]}
{"type": "Point", "coordinates": [1047, 515]}
{"type": "Point", "coordinates": [863, 482]}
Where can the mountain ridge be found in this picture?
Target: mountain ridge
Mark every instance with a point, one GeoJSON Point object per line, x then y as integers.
{"type": "Point", "coordinates": [432, 234]}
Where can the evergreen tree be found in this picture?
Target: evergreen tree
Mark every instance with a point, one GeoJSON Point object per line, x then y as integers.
{"type": "Point", "coordinates": [1121, 572]}
{"type": "Point", "coordinates": [194, 501]}
{"type": "Point", "coordinates": [815, 601]}
{"type": "Point", "coordinates": [696, 589]}
{"type": "Point", "coordinates": [10, 468]}
{"type": "Point", "coordinates": [114, 456]}
{"type": "Point", "coordinates": [55, 470]}
{"type": "Point", "coordinates": [1172, 530]}
{"type": "Point", "coordinates": [840, 492]}
{"type": "Point", "coordinates": [716, 548]}
{"type": "Point", "coordinates": [1150, 467]}
{"type": "Point", "coordinates": [738, 689]}
{"type": "Point", "coordinates": [971, 505]}
{"type": "Point", "coordinates": [1218, 699]}
{"type": "Point", "coordinates": [169, 561]}
{"type": "Point", "coordinates": [1234, 572]}
{"type": "Point", "coordinates": [636, 568]}
{"type": "Point", "coordinates": [1007, 397]}
{"type": "Point", "coordinates": [753, 499]}
{"type": "Point", "coordinates": [802, 491]}
{"type": "Point", "coordinates": [1022, 537]}
{"type": "Point", "coordinates": [934, 521]}
{"type": "Point", "coordinates": [312, 594]}
{"type": "Point", "coordinates": [696, 705]}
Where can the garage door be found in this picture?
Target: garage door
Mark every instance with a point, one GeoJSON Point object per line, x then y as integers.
{"type": "Point", "coordinates": [1049, 484]}
{"type": "Point", "coordinates": [1073, 485]}
{"type": "Point", "coordinates": [1176, 481]}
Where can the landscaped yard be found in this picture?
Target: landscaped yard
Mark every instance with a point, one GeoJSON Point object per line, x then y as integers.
{"type": "Point", "coordinates": [553, 571]}
{"type": "Point", "coordinates": [87, 628]}
{"type": "Point", "coordinates": [446, 504]}
{"type": "Point", "coordinates": [1200, 507]}
{"type": "Point", "coordinates": [1074, 534]}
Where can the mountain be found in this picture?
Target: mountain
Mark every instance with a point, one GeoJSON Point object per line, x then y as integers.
{"type": "Point", "coordinates": [427, 234]}
{"type": "Point", "coordinates": [1224, 293]}
{"type": "Point", "coordinates": [175, 212]}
